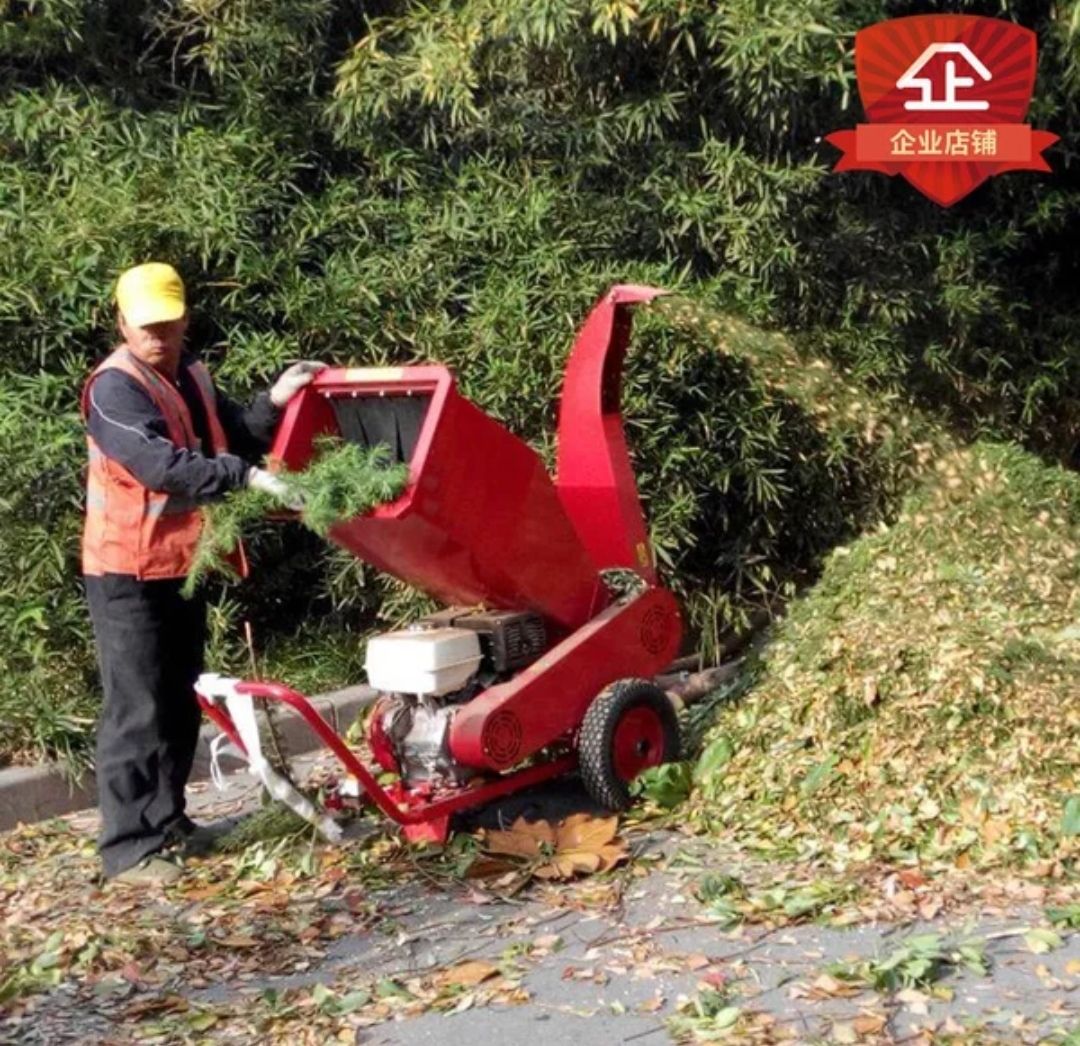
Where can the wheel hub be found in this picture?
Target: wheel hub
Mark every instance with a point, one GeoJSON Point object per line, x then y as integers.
{"type": "Point", "coordinates": [638, 742]}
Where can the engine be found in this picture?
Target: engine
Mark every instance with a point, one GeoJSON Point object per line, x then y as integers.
{"type": "Point", "coordinates": [426, 672]}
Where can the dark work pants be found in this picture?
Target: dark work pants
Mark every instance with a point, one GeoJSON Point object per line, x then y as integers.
{"type": "Point", "coordinates": [150, 652]}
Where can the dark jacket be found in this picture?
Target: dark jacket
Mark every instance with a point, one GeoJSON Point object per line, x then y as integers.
{"type": "Point", "coordinates": [128, 428]}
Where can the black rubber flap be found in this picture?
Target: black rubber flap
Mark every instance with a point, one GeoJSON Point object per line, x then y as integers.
{"type": "Point", "coordinates": [391, 420]}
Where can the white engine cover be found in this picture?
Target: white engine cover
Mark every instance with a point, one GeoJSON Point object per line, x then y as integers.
{"type": "Point", "coordinates": [430, 663]}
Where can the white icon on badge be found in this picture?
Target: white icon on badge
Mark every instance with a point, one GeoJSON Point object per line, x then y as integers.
{"type": "Point", "coordinates": [950, 103]}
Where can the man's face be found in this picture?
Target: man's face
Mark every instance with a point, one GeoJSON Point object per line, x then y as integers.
{"type": "Point", "coordinates": [158, 344]}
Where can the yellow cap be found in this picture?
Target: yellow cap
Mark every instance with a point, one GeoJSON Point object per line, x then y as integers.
{"type": "Point", "coordinates": [150, 293]}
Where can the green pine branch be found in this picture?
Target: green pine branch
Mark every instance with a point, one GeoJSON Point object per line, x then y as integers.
{"type": "Point", "coordinates": [343, 481]}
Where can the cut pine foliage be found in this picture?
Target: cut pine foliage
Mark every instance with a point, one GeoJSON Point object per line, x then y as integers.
{"type": "Point", "coordinates": [342, 482]}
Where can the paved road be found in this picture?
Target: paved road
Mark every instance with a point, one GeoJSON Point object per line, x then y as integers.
{"type": "Point", "coordinates": [619, 973]}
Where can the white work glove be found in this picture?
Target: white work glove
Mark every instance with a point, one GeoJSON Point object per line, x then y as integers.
{"type": "Point", "coordinates": [275, 486]}
{"type": "Point", "coordinates": [293, 379]}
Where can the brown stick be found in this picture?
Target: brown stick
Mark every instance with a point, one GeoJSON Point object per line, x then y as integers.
{"type": "Point", "coordinates": [690, 663]}
{"type": "Point", "coordinates": [692, 687]}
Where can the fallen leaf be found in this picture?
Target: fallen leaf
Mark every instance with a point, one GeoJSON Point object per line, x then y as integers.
{"type": "Point", "coordinates": [916, 1001]}
{"type": "Point", "coordinates": [1041, 940]}
{"type": "Point", "coordinates": [204, 893]}
{"type": "Point", "coordinates": [159, 1004]}
{"type": "Point", "coordinates": [466, 974]}
{"type": "Point", "coordinates": [578, 844]}
{"type": "Point", "coordinates": [726, 1017]}
{"type": "Point", "coordinates": [486, 867]}
{"type": "Point", "coordinates": [567, 865]}
{"type": "Point", "coordinates": [870, 1023]}
{"type": "Point", "coordinates": [547, 942]}
{"type": "Point", "coordinates": [912, 878]}
{"type": "Point", "coordinates": [994, 830]}
{"type": "Point", "coordinates": [844, 1033]}
{"type": "Point", "coordinates": [131, 972]}
{"type": "Point", "coordinates": [930, 908]}
{"type": "Point", "coordinates": [582, 832]}
{"type": "Point", "coordinates": [236, 940]}
{"type": "Point", "coordinates": [829, 986]}
{"type": "Point", "coordinates": [522, 839]}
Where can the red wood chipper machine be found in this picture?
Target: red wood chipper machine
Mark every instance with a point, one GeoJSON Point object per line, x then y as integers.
{"type": "Point", "coordinates": [538, 666]}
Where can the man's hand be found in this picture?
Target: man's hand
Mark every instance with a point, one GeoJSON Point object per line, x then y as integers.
{"type": "Point", "coordinates": [293, 380]}
{"type": "Point", "coordinates": [276, 487]}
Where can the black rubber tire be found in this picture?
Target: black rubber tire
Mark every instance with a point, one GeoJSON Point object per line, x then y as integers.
{"type": "Point", "coordinates": [595, 739]}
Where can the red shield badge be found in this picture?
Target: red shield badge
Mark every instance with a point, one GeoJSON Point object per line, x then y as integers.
{"type": "Point", "coordinates": [945, 97]}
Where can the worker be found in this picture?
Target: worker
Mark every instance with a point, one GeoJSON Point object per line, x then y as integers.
{"type": "Point", "coordinates": [162, 441]}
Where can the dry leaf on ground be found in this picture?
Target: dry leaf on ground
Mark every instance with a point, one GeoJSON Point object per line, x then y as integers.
{"type": "Point", "coordinates": [580, 843]}
{"type": "Point", "coordinates": [466, 974]}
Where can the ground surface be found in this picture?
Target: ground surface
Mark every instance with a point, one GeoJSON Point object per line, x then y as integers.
{"type": "Point", "coordinates": [371, 944]}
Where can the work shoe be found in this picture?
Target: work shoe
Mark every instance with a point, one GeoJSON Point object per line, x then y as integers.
{"type": "Point", "coordinates": [150, 871]}
{"type": "Point", "coordinates": [194, 840]}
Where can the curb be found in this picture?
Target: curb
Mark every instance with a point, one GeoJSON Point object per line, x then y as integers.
{"type": "Point", "coordinates": [36, 793]}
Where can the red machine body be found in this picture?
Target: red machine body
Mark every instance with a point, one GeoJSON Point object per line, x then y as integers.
{"type": "Point", "coordinates": [480, 521]}
{"type": "Point", "coordinates": [482, 524]}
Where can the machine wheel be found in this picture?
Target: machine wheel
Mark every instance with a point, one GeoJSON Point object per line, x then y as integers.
{"type": "Point", "coordinates": [629, 727]}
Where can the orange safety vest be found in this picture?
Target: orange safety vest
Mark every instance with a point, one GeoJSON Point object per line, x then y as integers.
{"type": "Point", "coordinates": [129, 528]}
